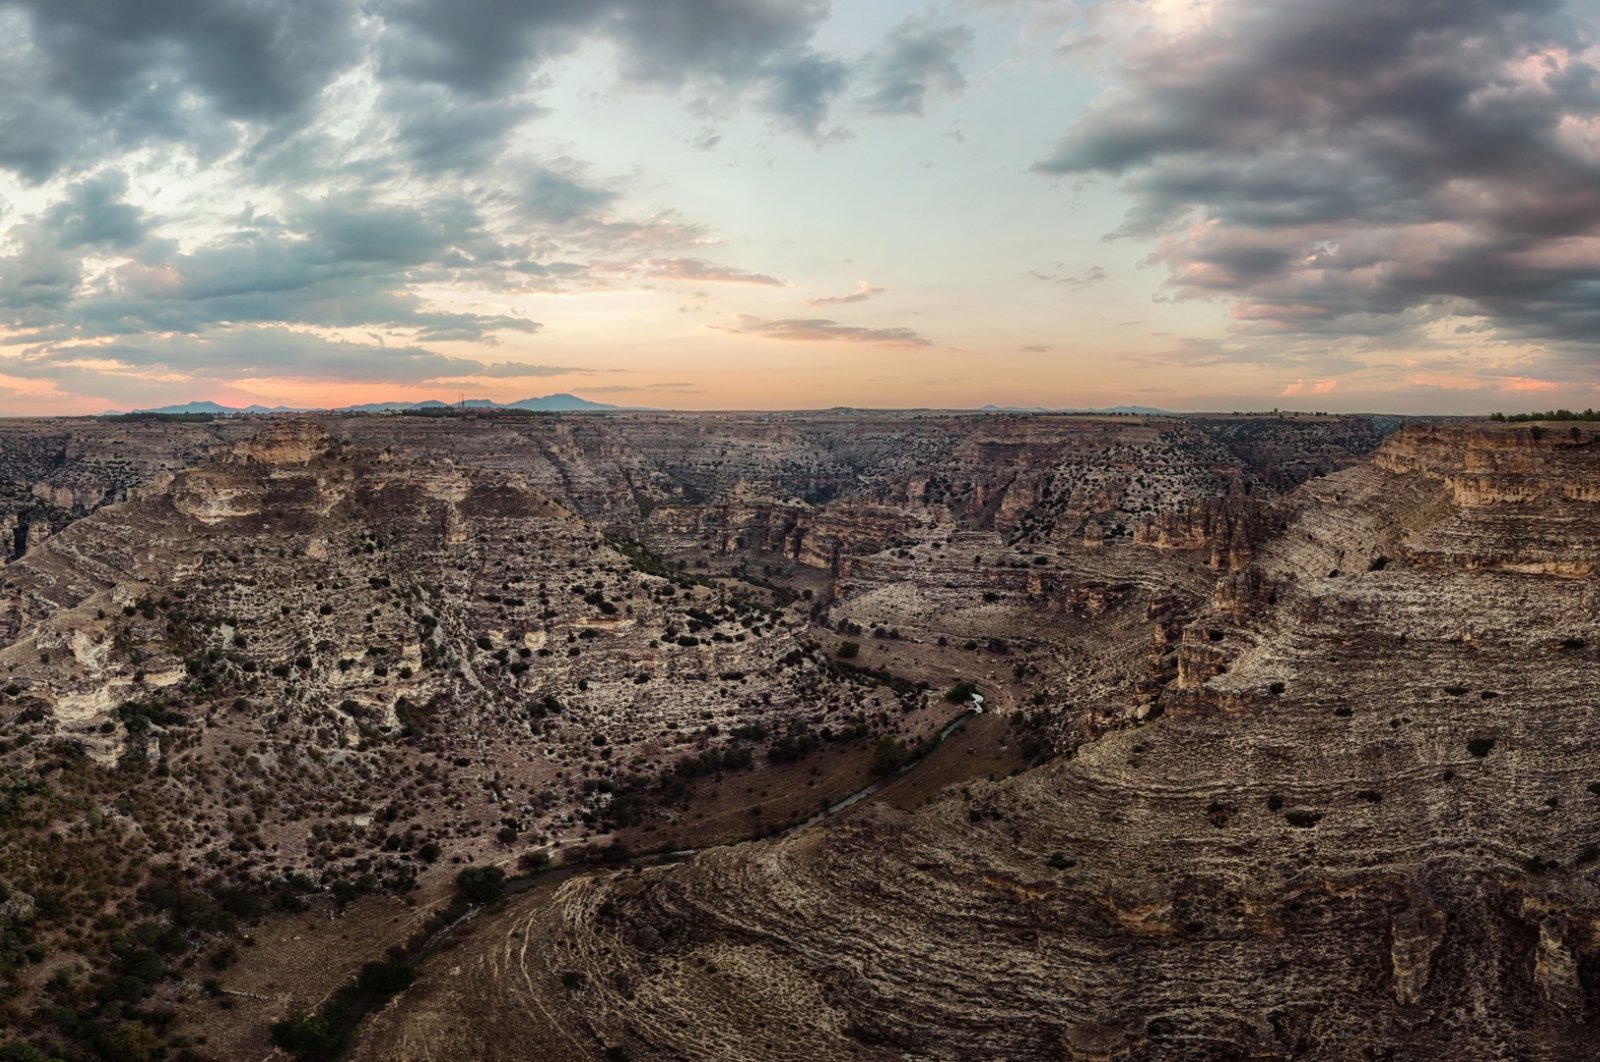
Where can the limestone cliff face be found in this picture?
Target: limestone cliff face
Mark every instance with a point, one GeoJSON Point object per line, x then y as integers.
{"type": "Point", "coordinates": [816, 536]}
{"type": "Point", "coordinates": [1526, 498]}
{"type": "Point", "coordinates": [1490, 467]}
{"type": "Point", "coordinates": [293, 442]}
{"type": "Point", "coordinates": [1227, 529]}
{"type": "Point", "coordinates": [57, 471]}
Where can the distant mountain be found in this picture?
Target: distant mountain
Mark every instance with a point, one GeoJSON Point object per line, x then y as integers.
{"type": "Point", "coordinates": [212, 407]}
{"type": "Point", "coordinates": [563, 403]}
{"type": "Point", "coordinates": [560, 403]}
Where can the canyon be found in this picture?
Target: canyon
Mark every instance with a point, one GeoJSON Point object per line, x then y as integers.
{"type": "Point", "coordinates": [1285, 752]}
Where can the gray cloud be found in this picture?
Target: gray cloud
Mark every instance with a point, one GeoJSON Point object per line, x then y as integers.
{"type": "Point", "coordinates": [560, 200]}
{"type": "Point", "coordinates": [802, 90]}
{"type": "Point", "coordinates": [94, 215]}
{"type": "Point", "coordinates": [919, 59]}
{"type": "Point", "coordinates": [442, 131]}
{"type": "Point", "coordinates": [816, 329]}
{"type": "Point", "coordinates": [96, 75]}
{"type": "Point", "coordinates": [480, 51]}
{"type": "Point", "coordinates": [80, 79]}
{"type": "Point", "coordinates": [1344, 168]}
{"type": "Point", "coordinates": [38, 279]}
{"type": "Point", "coordinates": [340, 261]}
{"type": "Point", "coordinates": [228, 355]}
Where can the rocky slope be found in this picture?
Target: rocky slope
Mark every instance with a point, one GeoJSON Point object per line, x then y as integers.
{"type": "Point", "coordinates": [1361, 825]}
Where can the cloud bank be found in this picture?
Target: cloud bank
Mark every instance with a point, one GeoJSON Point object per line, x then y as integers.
{"type": "Point", "coordinates": [1342, 169]}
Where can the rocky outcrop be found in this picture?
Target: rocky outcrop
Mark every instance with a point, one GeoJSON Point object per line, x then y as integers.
{"type": "Point", "coordinates": [1227, 529]}
{"type": "Point", "coordinates": [1416, 937]}
{"type": "Point", "coordinates": [1525, 499]}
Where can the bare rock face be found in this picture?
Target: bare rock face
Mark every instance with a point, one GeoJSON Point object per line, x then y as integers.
{"type": "Point", "coordinates": [1227, 529]}
{"type": "Point", "coordinates": [1416, 935]}
{"type": "Point", "coordinates": [53, 472]}
{"type": "Point", "coordinates": [1556, 967]}
{"type": "Point", "coordinates": [292, 442]}
{"type": "Point", "coordinates": [1524, 497]}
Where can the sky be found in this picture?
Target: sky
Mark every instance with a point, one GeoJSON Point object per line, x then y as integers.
{"type": "Point", "coordinates": [1343, 205]}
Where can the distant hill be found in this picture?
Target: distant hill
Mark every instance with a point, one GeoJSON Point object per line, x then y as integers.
{"type": "Point", "coordinates": [562, 403]}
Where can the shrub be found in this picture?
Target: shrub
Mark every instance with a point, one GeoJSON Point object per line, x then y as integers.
{"type": "Point", "coordinates": [889, 755]}
{"type": "Point", "coordinates": [1480, 747]}
{"type": "Point", "coordinates": [131, 1041]}
{"type": "Point", "coordinates": [307, 1034]}
{"type": "Point", "coordinates": [848, 650]}
{"type": "Point", "coordinates": [385, 978]}
{"type": "Point", "coordinates": [960, 693]}
{"type": "Point", "coordinates": [481, 885]}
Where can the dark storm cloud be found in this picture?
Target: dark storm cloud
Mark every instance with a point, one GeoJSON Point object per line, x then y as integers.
{"type": "Point", "coordinates": [917, 60]}
{"type": "Point", "coordinates": [1359, 167]}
